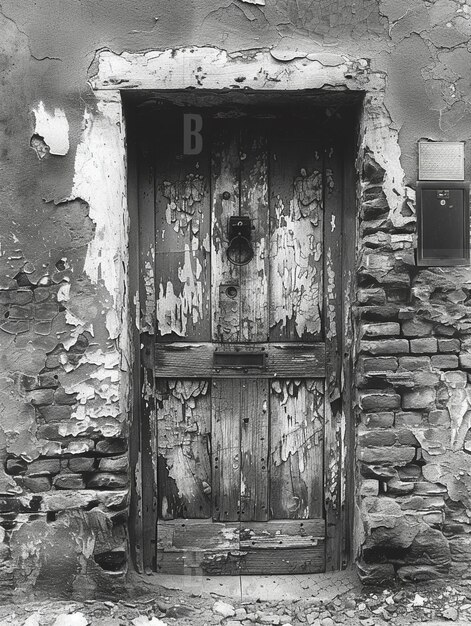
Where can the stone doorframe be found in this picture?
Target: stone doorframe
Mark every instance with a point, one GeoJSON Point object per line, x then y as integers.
{"type": "Point", "coordinates": [101, 179]}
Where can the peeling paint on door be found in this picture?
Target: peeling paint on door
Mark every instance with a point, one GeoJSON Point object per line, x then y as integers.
{"type": "Point", "coordinates": [296, 250]}
{"type": "Point", "coordinates": [239, 449]}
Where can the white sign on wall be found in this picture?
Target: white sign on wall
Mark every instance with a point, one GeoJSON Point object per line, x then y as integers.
{"type": "Point", "coordinates": [441, 160]}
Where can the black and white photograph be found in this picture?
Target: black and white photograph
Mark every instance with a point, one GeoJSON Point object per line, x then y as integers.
{"type": "Point", "coordinates": [235, 313]}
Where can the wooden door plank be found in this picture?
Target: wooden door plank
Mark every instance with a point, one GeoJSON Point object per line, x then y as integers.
{"type": "Point", "coordinates": [136, 521]}
{"type": "Point", "coordinates": [283, 360]}
{"type": "Point", "coordinates": [146, 470]}
{"type": "Point", "coordinates": [205, 534]}
{"type": "Point", "coordinates": [304, 560]}
{"type": "Point", "coordinates": [314, 527]}
{"type": "Point", "coordinates": [296, 240]}
{"type": "Point", "coordinates": [183, 418]}
{"type": "Point", "coordinates": [254, 449]}
{"type": "Point", "coordinates": [213, 548]}
{"type": "Point", "coordinates": [254, 159]}
{"type": "Point", "coordinates": [225, 448]}
{"type": "Point", "coordinates": [281, 534]}
{"type": "Point", "coordinates": [191, 534]}
{"type": "Point", "coordinates": [334, 430]}
{"type": "Point", "coordinates": [296, 465]}
{"type": "Point", "coordinates": [182, 207]}
{"type": "Point", "coordinates": [225, 278]}
{"type": "Point", "coordinates": [348, 298]}
{"type": "Point", "coordinates": [199, 562]}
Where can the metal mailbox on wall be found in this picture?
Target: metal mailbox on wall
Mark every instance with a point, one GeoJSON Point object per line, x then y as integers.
{"type": "Point", "coordinates": [443, 223]}
{"type": "Point", "coordinates": [442, 205]}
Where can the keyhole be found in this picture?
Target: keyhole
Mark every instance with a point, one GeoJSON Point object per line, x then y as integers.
{"type": "Point", "coordinates": [231, 292]}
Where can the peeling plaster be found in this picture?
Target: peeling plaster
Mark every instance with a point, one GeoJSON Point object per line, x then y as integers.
{"type": "Point", "coordinates": [383, 141]}
{"type": "Point", "coordinates": [100, 180]}
{"type": "Point", "coordinates": [178, 69]}
{"type": "Point", "coordinates": [53, 128]}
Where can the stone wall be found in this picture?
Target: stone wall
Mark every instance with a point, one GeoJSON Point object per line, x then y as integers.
{"type": "Point", "coordinates": [413, 369]}
{"type": "Point", "coordinates": [65, 483]}
{"type": "Point", "coordinates": [64, 479]}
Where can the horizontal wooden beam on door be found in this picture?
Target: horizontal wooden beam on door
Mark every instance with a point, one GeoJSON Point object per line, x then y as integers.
{"type": "Point", "coordinates": [188, 546]}
{"type": "Point", "coordinates": [199, 360]}
{"type": "Point", "coordinates": [242, 562]}
{"type": "Point", "coordinates": [204, 534]}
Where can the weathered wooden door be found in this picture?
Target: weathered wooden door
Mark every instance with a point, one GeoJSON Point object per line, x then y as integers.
{"type": "Point", "coordinates": [240, 345]}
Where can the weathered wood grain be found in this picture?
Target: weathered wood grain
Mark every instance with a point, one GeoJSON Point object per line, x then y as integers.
{"type": "Point", "coordinates": [226, 451]}
{"type": "Point", "coordinates": [296, 445]}
{"type": "Point", "coordinates": [198, 562]}
{"type": "Point", "coordinates": [254, 442]}
{"type": "Point", "coordinates": [284, 560]}
{"type": "Point", "coordinates": [203, 546]}
{"type": "Point", "coordinates": [135, 457]}
{"type": "Point", "coordinates": [281, 533]}
{"type": "Point", "coordinates": [197, 360]}
{"type": "Point", "coordinates": [147, 462]}
{"type": "Point", "coordinates": [334, 432]}
{"type": "Point", "coordinates": [190, 534]}
{"type": "Point", "coordinates": [253, 448]}
{"type": "Point", "coordinates": [296, 240]}
{"type": "Point", "coordinates": [306, 560]}
{"type": "Point", "coordinates": [254, 295]}
{"type": "Point", "coordinates": [225, 277]}
{"type": "Point", "coordinates": [207, 534]}
{"type": "Point", "coordinates": [182, 214]}
{"type": "Point", "coordinates": [183, 422]}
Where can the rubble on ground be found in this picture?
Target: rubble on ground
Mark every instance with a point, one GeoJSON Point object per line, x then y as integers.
{"type": "Point", "coordinates": [434, 603]}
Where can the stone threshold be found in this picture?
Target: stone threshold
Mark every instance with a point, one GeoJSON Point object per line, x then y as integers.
{"type": "Point", "coordinates": [323, 587]}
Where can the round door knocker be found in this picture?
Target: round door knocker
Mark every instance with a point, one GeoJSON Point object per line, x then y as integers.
{"type": "Point", "coordinates": [240, 251]}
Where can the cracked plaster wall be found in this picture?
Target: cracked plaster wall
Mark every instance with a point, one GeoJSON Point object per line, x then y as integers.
{"type": "Point", "coordinates": [63, 341]}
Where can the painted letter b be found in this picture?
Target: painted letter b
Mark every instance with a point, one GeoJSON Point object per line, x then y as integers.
{"type": "Point", "coordinates": [192, 138]}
